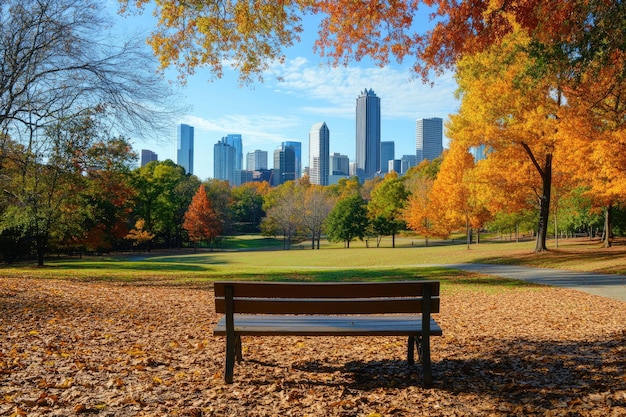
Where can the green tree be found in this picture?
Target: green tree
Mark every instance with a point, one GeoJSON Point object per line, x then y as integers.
{"type": "Point", "coordinates": [386, 206]}
{"type": "Point", "coordinates": [347, 220]}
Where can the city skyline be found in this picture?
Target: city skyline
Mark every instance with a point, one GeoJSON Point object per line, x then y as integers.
{"type": "Point", "coordinates": [300, 90]}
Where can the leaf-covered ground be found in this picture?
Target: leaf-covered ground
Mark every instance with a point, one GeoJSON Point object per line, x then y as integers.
{"type": "Point", "coordinates": [69, 348]}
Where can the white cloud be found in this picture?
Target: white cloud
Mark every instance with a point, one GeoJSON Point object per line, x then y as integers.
{"type": "Point", "coordinates": [336, 88]}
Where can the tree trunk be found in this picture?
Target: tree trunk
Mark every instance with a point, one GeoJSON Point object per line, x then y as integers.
{"type": "Point", "coordinates": [393, 240]}
{"type": "Point", "coordinates": [544, 205]}
{"type": "Point", "coordinates": [608, 226]}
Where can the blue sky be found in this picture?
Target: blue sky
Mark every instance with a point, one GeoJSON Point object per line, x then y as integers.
{"type": "Point", "coordinates": [268, 113]}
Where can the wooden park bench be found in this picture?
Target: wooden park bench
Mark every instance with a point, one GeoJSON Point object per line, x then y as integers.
{"type": "Point", "coordinates": [401, 308]}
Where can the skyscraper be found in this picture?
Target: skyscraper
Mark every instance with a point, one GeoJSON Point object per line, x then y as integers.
{"type": "Point", "coordinates": [224, 161]}
{"type": "Point", "coordinates": [148, 156]}
{"type": "Point", "coordinates": [367, 134]}
{"type": "Point", "coordinates": [297, 148]}
{"type": "Point", "coordinates": [284, 165]}
{"type": "Point", "coordinates": [256, 160]}
{"type": "Point", "coordinates": [184, 151]}
{"type": "Point", "coordinates": [387, 153]}
{"type": "Point", "coordinates": [428, 138]}
{"type": "Point", "coordinates": [319, 153]}
{"type": "Point", "coordinates": [236, 142]}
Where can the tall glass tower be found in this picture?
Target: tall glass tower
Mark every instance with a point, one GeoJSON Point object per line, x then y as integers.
{"type": "Point", "coordinates": [387, 153]}
{"type": "Point", "coordinates": [224, 161]}
{"type": "Point", "coordinates": [319, 153]}
{"type": "Point", "coordinates": [428, 138]}
{"type": "Point", "coordinates": [367, 134]}
{"type": "Point", "coordinates": [236, 142]}
{"type": "Point", "coordinates": [297, 148]}
{"type": "Point", "coordinates": [184, 151]}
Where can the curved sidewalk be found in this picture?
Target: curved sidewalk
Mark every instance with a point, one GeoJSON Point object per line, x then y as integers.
{"type": "Point", "coordinates": [605, 285]}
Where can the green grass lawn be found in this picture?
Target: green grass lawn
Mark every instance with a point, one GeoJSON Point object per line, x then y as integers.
{"type": "Point", "coordinates": [261, 258]}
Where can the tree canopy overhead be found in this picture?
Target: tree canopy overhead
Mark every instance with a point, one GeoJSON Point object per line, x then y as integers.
{"type": "Point", "coordinates": [251, 34]}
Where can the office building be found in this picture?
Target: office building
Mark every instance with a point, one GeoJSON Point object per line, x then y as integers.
{"type": "Point", "coordinates": [284, 165]}
{"type": "Point", "coordinates": [236, 142]}
{"type": "Point", "coordinates": [387, 153]}
{"type": "Point", "coordinates": [394, 165]}
{"type": "Point", "coordinates": [297, 148]}
{"type": "Point", "coordinates": [224, 162]}
{"type": "Point", "coordinates": [367, 134]}
{"type": "Point", "coordinates": [339, 164]}
{"type": "Point", "coordinates": [407, 161]}
{"type": "Point", "coordinates": [148, 156]}
{"type": "Point", "coordinates": [184, 150]}
{"type": "Point", "coordinates": [428, 138]}
{"type": "Point", "coordinates": [256, 160]}
{"type": "Point", "coordinates": [319, 153]}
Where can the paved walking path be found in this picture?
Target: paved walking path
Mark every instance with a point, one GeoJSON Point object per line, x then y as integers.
{"type": "Point", "coordinates": [605, 285]}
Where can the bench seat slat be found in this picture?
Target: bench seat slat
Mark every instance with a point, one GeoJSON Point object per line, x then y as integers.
{"type": "Point", "coordinates": [317, 325]}
{"type": "Point", "coordinates": [326, 305]}
{"type": "Point", "coordinates": [326, 289]}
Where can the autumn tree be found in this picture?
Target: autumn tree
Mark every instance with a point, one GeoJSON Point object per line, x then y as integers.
{"type": "Point", "coordinates": [251, 36]}
{"type": "Point", "coordinates": [385, 207]}
{"type": "Point", "coordinates": [347, 220]}
{"type": "Point", "coordinates": [514, 115]}
{"type": "Point", "coordinates": [317, 204]}
{"type": "Point", "coordinates": [596, 136]}
{"type": "Point", "coordinates": [201, 221]}
{"type": "Point", "coordinates": [283, 208]}
{"type": "Point", "coordinates": [139, 235]}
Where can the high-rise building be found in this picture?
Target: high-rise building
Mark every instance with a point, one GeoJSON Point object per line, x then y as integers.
{"type": "Point", "coordinates": [284, 165]}
{"type": "Point", "coordinates": [387, 153]}
{"type": "Point", "coordinates": [224, 162]}
{"type": "Point", "coordinates": [394, 165]}
{"type": "Point", "coordinates": [319, 153]}
{"type": "Point", "coordinates": [256, 160]}
{"type": "Point", "coordinates": [428, 138]}
{"type": "Point", "coordinates": [184, 151]}
{"type": "Point", "coordinates": [407, 161]}
{"type": "Point", "coordinates": [148, 156]}
{"type": "Point", "coordinates": [339, 164]}
{"type": "Point", "coordinates": [297, 148]}
{"type": "Point", "coordinates": [236, 142]}
{"type": "Point", "coordinates": [367, 134]}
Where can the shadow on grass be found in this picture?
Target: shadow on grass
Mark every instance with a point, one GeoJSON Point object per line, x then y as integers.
{"type": "Point", "coordinates": [549, 375]}
{"type": "Point", "coordinates": [564, 259]}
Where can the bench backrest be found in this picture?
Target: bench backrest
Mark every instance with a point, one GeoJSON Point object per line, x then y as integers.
{"type": "Point", "coordinates": [327, 298]}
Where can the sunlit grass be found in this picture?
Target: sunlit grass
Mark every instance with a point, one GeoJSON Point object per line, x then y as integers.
{"type": "Point", "coordinates": [333, 262]}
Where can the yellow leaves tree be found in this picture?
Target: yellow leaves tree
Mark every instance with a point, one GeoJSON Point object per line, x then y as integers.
{"type": "Point", "coordinates": [139, 235]}
{"type": "Point", "coordinates": [515, 114]}
{"type": "Point", "coordinates": [454, 197]}
{"type": "Point", "coordinates": [250, 35]}
{"type": "Point", "coordinates": [596, 134]}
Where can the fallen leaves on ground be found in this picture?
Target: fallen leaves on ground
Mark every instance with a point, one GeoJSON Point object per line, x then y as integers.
{"type": "Point", "coordinates": [107, 349]}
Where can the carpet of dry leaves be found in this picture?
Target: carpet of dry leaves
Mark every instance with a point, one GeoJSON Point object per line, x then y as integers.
{"type": "Point", "coordinates": [109, 349]}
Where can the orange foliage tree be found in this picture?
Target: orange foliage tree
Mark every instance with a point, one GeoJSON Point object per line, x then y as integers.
{"type": "Point", "coordinates": [454, 198]}
{"type": "Point", "coordinates": [201, 221]}
{"type": "Point", "coordinates": [515, 115]}
{"type": "Point", "coordinates": [250, 35]}
{"type": "Point", "coordinates": [596, 134]}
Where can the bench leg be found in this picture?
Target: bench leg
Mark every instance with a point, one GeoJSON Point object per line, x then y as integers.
{"type": "Point", "coordinates": [238, 355]}
{"type": "Point", "coordinates": [425, 359]}
{"type": "Point", "coordinates": [230, 357]}
{"type": "Point", "coordinates": [411, 344]}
